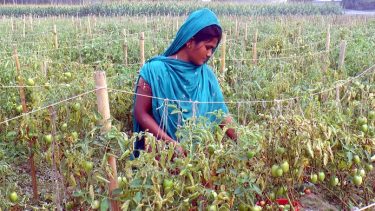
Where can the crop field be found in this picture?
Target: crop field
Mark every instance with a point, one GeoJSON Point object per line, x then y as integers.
{"type": "Point", "coordinates": [299, 86]}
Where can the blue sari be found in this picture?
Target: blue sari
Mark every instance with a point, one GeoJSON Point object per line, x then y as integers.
{"type": "Point", "coordinates": [181, 83]}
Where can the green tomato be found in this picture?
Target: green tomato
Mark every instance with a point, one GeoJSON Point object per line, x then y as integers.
{"type": "Point", "coordinates": [19, 109]}
{"type": "Point", "coordinates": [356, 159]}
{"type": "Point", "coordinates": [212, 208]}
{"type": "Point", "coordinates": [13, 197]}
{"type": "Point", "coordinates": [168, 185]}
{"type": "Point", "coordinates": [364, 128]}
{"type": "Point", "coordinates": [122, 181]}
{"type": "Point", "coordinates": [274, 169]}
{"type": "Point", "coordinates": [95, 204]}
{"type": "Point", "coordinates": [371, 115]}
{"type": "Point", "coordinates": [30, 82]}
{"type": "Point", "coordinates": [321, 176]}
{"type": "Point", "coordinates": [369, 167]}
{"type": "Point", "coordinates": [357, 180]}
{"type": "Point", "coordinates": [64, 127]}
{"type": "Point", "coordinates": [256, 208]}
{"type": "Point", "coordinates": [74, 135]}
{"type": "Point", "coordinates": [76, 106]}
{"type": "Point", "coordinates": [279, 172]}
{"type": "Point", "coordinates": [285, 166]}
{"type": "Point", "coordinates": [47, 138]}
{"type": "Point", "coordinates": [250, 154]}
{"type": "Point", "coordinates": [362, 172]}
{"type": "Point", "coordinates": [334, 181]}
{"type": "Point", "coordinates": [361, 120]}
{"type": "Point", "coordinates": [280, 150]}
{"type": "Point", "coordinates": [243, 207]}
{"type": "Point", "coordinates": [88, 166]}
{"type": "Point", "coordinates": [68, 74]}
{"type": "Point", "coordinates": [314, 178]}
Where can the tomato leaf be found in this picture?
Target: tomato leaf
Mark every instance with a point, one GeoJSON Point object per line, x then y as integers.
{"type": "Point", "coordinates": [138, 197]}
{"type": "Point", "coordinates": [116, 192]}
{"type": "Point", "coordinates": [136, 183]}
{"type": "Point", "coordinates": [104, 205]}
{"type": "Point", "coordinates": [220, 170]}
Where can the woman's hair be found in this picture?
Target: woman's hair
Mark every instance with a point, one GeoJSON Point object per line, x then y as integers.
{"type": "Point", "coordinates": [208, 33]}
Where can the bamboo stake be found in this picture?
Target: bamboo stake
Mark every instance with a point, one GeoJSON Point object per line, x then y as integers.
{"type": "Point", "coordinates": [142, 47]}
{"type": "Point", "coordinates": [237, 31]}
{"type": "Point", "coordinates": [125, 49]}
{"type": "Point", "coordinates": [342, 54]}
{"type": "Point", "coordinates": [31, 22]}
{"type": "Point", "coordinates": [55, 156]}
{"type": "Point", "coordinates": [328, 40]}
{"type": "Point", "coordinates": [24, 27]}
{"type": "Point", "coordinates": [103, 108]}
{"type": "Point", "coordinates": [255, 56]}
{"type": "Point", "coordinates": [45, 68]}
{"type": "Point", "coordinates": [245, 34]}
{"type": "Point", "coordinates": [55, 37]}
{"type": "Point", "coordinates": [223, 49]}
{"type": "Point", "coordinates": [328, 46]}
{"type": "Point", "coordinates": [95, 21]}
{"type": "Point", "coordinates": [338, 96]}
{"type": "Point", "coordinates": [32, 140]}
{"type": "Point", "coordinates": [89, 26]}
{"type": "Point", "coordinates": [12, 23]}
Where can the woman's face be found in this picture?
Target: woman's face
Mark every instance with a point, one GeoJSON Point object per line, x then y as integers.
{"type": "Point", "coordinates": [200, 52]}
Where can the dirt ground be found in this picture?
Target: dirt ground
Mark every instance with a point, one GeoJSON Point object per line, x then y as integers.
{"type": "Point", "coordinates": [318, 200]}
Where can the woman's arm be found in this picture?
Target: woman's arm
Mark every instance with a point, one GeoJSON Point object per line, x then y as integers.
{"type": "Point", "coordinates": [231, 132]}
{"type": "Point", "coordinates": [143, 112]}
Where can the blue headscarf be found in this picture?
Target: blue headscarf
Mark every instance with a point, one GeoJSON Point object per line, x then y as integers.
{"type": "Point", "coordinates": [173, 81]}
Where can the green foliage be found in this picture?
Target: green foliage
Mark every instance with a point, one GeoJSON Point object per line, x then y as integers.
{"type": "Point", "coordinates": [172, 8]}
{"type": "Point", "coordinates": [312, 134]}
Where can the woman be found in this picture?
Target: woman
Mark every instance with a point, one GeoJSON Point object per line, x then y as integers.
{"type": "Point", "coordinates": [180, 74]}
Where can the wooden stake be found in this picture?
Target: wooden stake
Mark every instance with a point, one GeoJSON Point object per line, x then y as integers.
{"type": "Point", "coordinates": [245, 34]}
{"type": "Point", "coordinates": [103, 108]}
{"type": "Point", "coordinates": [24, 27]}
{"type": "Point", "coordinates": [32, 140]}
{"type": "Point", "coordinates": [55, 156]}
{"type": "Point", "coordinates": [12, 23]}
{"type": "Point", "coordinates": [31, 22]}
{"type": "Point", "coordinates": [338, 96]}
{"type": "Point", "coordinates": [55, 37]}
{"type": "Point", "coordinates": [328, 40]}
{"type": "Point", "coordinates": [142, 47]}
{"type": "Point", "coordinates": [223, 49]}
{"type": "Point", "coordinates": [237, 31]}
{"type": "Point", "coordinates": [89, 26]}
{"type": "Point", "coordinates": [255, 56]}
{"type": "Point", "coordinates": [45, 68]}
{"type": "Point", "coordinates": [342, 54]}
{"type": "Point", "coordinates": [125, 49]}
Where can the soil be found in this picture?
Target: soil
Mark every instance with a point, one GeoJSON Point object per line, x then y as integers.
{"type": "Point", "coordinates": [319, 199]}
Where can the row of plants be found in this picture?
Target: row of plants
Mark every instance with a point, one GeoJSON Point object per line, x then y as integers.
{"type": "Point", "coordinates": [285, 150]}
{"type": "Point", "coordinates": [173, 8]}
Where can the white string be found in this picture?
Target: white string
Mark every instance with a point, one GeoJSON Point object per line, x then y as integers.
{"type": "Point", "coordinates": [343, 82]}
{"type": "Point", "coordinates": [365, 208]}
{"type": "Point", "coordinates": [53, 104]}
{"type": "Point", "coordinates": [39, 86]}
